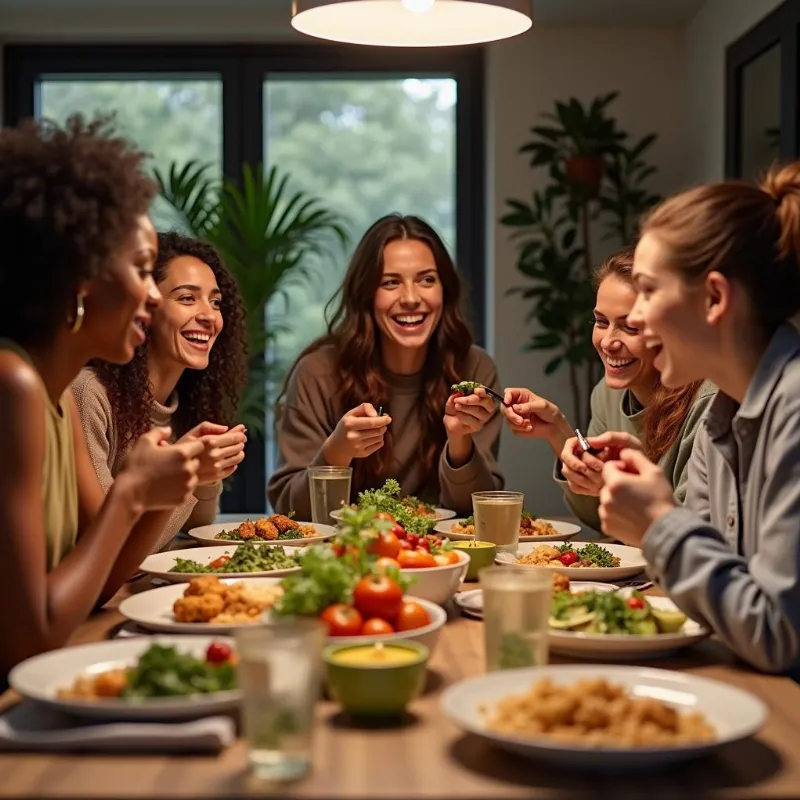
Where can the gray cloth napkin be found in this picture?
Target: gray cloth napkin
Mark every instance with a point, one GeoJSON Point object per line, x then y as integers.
{"type": "Point", "coordinates": [32, 726]}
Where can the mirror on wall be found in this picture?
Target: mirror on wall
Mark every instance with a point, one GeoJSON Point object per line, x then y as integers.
{"type": "Point", "coordinates": [760, 113]}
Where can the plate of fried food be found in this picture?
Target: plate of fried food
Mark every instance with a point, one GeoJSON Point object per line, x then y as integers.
{"type": "Point", "coordinates": [588, 560]}
{"type": "Point", "coordinates": [246, 560]}
{"type": "Point", "coordinates": [603, 716]}
{"type": "Point", "coordinates": [206, 605]}
{"type": "Point", "coordinates": [531, 529]}
{"type": "Point", "coordinates": [277, 528]}
{"type": "Point", "coordinates": [140, 678]}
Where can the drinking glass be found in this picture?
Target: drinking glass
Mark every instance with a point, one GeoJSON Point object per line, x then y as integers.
{"type": "Point", "coordinates": [516, 610]}
{"type": "Point", "coordinates": [497, 518]}
{"type": "Point", "coordinates": [280, 674]}
{"type": "Point", "coordinates": [330, 490]}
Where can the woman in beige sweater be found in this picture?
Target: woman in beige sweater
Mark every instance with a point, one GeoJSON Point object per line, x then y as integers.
{"type": "Point", "coordinates": [190, 371]}
{"type": "Point", "coordinates": [629, 403]}
{"type": "Point", "coordinates": [397, 341]}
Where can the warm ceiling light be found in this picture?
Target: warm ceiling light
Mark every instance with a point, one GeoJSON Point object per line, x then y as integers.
{"type": "Point", "coordinates": [412, 23]}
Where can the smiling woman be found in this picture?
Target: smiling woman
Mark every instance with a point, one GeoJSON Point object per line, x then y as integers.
{"type": "Point", "coordinates": [396, 340]}
{"type": "Point", "coordinates": [195, 351]}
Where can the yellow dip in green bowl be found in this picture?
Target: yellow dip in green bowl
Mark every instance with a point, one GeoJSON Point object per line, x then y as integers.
{"type": "Point", "coordinates": [378, 679]}
{"type": "Point", "coordinates": [481, 554]}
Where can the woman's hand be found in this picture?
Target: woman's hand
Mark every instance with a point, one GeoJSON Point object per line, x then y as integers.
{"type": "Point", "coordinates": [464, 416]}
{"type": "Point", "coordinates": [223, 450]}
{"type": "Point", "coordinates": [532, 416]}
{"type": "Point", "coordinates": [634, 496]}
{"type": "Point", "coordinates": [163, 475]}
{"type": "Point", "coordinates": [359, 433]}
{"type": "Point", "coordinates": [583, 471]}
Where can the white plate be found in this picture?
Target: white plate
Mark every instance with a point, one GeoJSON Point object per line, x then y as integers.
{"type": "Point", "coordinates": [39, 678]}
{"type": "Point", "coordinates": [152, 609]}
{"type": "Point", "coordinates": [207, 533]}
{"type": "Point", "coordinates": [440, 514]}
{"type": "Point", "coordinates": [631, 562]}
{"type": "Point", "coordinates": [471, 601]}
{"type": "Point", "coordinates": [159, 564]}
{"type": "Point", "coordinates": [624, 646]}
{"type": "Point", "coordinates": [735, 714]}
{"type": "Point", "coordinates": [564, 531]}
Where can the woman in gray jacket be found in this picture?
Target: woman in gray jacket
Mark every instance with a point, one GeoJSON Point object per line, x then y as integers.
{"type": "Point", "coordinates": [717, 272]}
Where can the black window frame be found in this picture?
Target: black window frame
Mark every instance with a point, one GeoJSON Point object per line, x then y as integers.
{"type": "Point", "coordinates": [780, 27]}
{"type": "Point", "coordinates": [242, 70]}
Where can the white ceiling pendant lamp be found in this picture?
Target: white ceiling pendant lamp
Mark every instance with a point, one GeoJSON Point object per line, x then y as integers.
{"type": "Point", "coordinates": [412, 23]}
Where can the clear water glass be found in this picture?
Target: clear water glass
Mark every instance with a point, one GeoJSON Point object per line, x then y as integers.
{"type": "Point", "coordinates": [330, 490]}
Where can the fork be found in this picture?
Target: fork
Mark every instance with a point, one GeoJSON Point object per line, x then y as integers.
{"type": "Point", "coordinates": [495, 395]}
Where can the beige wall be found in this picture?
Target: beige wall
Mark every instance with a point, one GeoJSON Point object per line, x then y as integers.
{"type": "Point", "coordinates": [524, 78]}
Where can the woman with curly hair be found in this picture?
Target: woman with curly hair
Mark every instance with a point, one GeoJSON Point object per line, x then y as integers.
{"type": "Point", "coordinates": [195, 352]}
{"type": "Point", "coordinates": [629, 403]}
{"type": "Point", "coordinates": [77, 285]}
{"type": "Point", "coordinates": [397, 340]}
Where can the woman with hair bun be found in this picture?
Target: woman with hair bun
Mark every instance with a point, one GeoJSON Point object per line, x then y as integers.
{"type": "Point", "coordinates": [717, 272]}
{"type": "Point", "coordinates": [397, 340]}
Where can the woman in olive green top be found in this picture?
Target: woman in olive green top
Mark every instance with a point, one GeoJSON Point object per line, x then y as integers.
{"type": "Point", "coordinates": [76, 285]}
{"type": "Point", "coordinates": [629, 404]}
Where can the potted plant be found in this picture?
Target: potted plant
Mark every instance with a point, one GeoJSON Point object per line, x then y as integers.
{"type": "Point", "coordinates": [595, 175]}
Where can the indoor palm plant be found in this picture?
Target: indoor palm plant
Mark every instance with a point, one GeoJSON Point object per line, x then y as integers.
{"type": "Point", "coordinates": [267, 235]}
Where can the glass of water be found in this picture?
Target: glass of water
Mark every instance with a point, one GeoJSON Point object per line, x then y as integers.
{"type": "Point", "coordinates": [516, 610]}
{"type": "Point", "coordinates": [497, 518]}
{"type": "Point", "coordinates": [280, 675]}
{"type": "Point", "coordinates": [330, 490]}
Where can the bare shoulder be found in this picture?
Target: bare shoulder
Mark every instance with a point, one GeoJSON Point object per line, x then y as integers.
{"type": "Point", "coordinates": [20, 384]}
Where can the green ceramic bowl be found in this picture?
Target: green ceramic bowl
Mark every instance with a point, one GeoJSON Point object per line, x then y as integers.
{"type": "Point", "coordinates": [371, 688]}
{"type": "Point", "coordinates": [481, 554]}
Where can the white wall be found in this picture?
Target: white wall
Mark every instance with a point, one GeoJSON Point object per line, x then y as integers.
{"type": "Point", "coordinates": [717, 24]}
{"type": "Point", "coordinates": [524, 78]}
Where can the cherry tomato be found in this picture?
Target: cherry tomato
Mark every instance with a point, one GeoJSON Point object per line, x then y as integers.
{"type": "Point", "coordinates": [376, 627]}
{"type": "Point", "coordinates": [412, 615]}
{"type": "Point", "coordinates": [570, 557]}
{"type": "Point", "coordinates": [636, 603]}
{"type": "Point", "coordinates": [424, 544]}
{"type": "Point", "coordinates": [378, 596]}
{"type": "Point", "coordinates": [449, 556]}
{"type": "Point", "coordinates": [342, 620]}
{"type": "Point", "coordinates": [412, 539]}
{"type": "Point", "coordinates": [399, 531]}
{"type": "Point", "coordinates": [386, 545]}
{"type": "Point", "coordinates": [415, 559]}
{"type": "Point", "coordinates": [405, 544]}
{"type": "Point", "coordinates": [218, 653]}
{"type": "Point", "coordinates": [219, 562]}
{"type": "Point", "coordinates": [383, 564]}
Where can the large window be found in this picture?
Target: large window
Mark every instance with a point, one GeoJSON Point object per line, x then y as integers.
{"type": "Point", "coordinates": [367, 131]}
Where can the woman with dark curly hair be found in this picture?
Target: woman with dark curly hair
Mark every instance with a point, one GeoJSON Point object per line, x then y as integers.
{"type": "Point", "coordinates": [77, 285]}
{"type": "Point", "coordinates": [397, 340]}
{"type": "Point", "coordinates": [195, 352]}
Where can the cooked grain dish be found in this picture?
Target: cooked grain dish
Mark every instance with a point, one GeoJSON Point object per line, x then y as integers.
{"type": "Point", "coordinates": [596, 713]}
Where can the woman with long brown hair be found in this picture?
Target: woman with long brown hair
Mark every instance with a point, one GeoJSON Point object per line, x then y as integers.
{"type": "Point", "coordinates": [188, 374]}
{"type": "Point", "coordinates": [629, 404]}
{"type": "Point", "coordinates": [397, 340]}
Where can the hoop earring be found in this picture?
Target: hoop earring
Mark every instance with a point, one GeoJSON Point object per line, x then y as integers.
{"type": "Point", "coordinates": [79, 314]}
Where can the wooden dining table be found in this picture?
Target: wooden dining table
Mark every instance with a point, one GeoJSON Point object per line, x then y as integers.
{"type": "Point", "coordinates": [424, 755]}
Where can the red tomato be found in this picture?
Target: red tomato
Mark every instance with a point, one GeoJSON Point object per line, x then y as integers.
{"type": "Point", "coordinates": [636, 603]}
{"type": "Point", "coordinates": [446, 557]}
{"type": "Point", "coordinates": [387, 563]}
{"type": "Point", "coordinates": [412, 615]}
{"type": "Point", "coordinates": [378, 596]}
{"type": "Point", "coordinates": [218, 653]}
{"type": "Point", "coordinates": [405, 544]}
{"type": "Point", "coordinates": [570, 557]}
{"type": "Point", "coordinates": [385, 545]}
{"type": "Point", "coordinates": [342, 620]}
{"type": "Point", "coordinates": [415, 559]}
{"type": "Point", "coordinates": [412, 539]}
{"type": "Point", "coordinates": [399, 531]}
{"type": "Point", "coordinates": [219, 562]}
{"type": "Point", "coordinates": [424, 544]}
{"type": "Point", "coordinates": [376, 627]}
